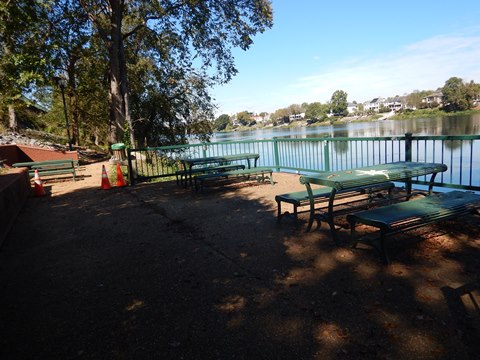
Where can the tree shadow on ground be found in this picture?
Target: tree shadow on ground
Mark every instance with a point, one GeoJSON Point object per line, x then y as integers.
{"type": "Point", "coordinates": [158, 271]}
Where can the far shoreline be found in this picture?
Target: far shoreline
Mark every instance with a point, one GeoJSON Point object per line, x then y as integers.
{"type": "Point", "coordinates": [425, 113]}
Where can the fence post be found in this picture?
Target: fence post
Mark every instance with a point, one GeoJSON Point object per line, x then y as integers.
{"type": "Point", "coordinates": [408, 147]}
{"type": "Point", "coordinates": [275, 154]}
{"type": "Point", "coordinates": [326, 156]}
{"type": "Point", "coordinates": [204, 149]}
{"type": "Point", "coordinates": [130, 167]}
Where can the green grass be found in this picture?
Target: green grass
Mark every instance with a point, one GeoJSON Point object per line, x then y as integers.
{"type": "Point", "coordinates": [430, 113]}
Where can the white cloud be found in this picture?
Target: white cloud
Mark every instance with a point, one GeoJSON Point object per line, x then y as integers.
{"type": "Point", "coordinates": [423, 65]}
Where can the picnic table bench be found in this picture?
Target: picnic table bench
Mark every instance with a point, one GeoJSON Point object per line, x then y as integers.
{"type": "Point", "coordinates": [50, 167]}
{"type": "Point", "coordinates": [409, 215]}
{"type": "Point", "coordinates": [214, 164]}
{"type": "Point", "coordinates": [240, 174]}
{"type": "Point", "coordinates": [321, 195]}
{"type": "Point", "coordinates": [182, 175]}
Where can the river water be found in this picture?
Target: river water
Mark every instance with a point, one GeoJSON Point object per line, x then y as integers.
{"type": "Point", "coordinates": [444, 125]}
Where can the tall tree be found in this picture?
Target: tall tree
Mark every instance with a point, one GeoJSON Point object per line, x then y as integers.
{"type": "Point", "coordinates": [295, 109]}
{"type": "Point", "coordinates": [72, 34]}
{"type": "Point", "coordinates": [183, 35]}
{"type": "Point", "coordinates": [281, 116]}
{"type": "Point", "coordinates": [221, 122]}
{"type": "Point", "coordinates": [244, 117]}
{"type": "Point", "coordinates": [338, 102]}
{"type": "Point", "coordinates": [316, 111]}
{"type": "Point", "coordinates": [24, 49]}
{"type": "Point", "coordinates": [414, 99]}
{"type": "Point", "coordinates": [455, 95]}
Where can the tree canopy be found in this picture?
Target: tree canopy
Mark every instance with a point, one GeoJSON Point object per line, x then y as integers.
{"type": "Point", "coordinates": [221, 122]}
{"type": "Point", "coordinates": [338, 102]}
{"type": "Point", "coordinates": [155, 60]}
{"type": "Point", "coordinates": [457, 95]}
{"type": "Point", "coordinates": [186, 46]}
{"type": "Point", "coordinates": [316, 111]}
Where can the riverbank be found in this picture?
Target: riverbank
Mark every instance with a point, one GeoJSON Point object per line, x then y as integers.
{"type": "Point", "coordinates": [417, 114]}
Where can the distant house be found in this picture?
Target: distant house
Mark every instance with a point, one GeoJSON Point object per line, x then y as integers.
{"type": "Point", "coordinates": [352, 108]}
{"type": "Point", "coordinates": [374, 105]}
{"type": "Point", "coordinates": [435, 98]}
{"type": "Point", "coordinates": [394, 104]}
{"type": "Point", "coordinates": [261, 118]}
{"type": "Point", "coordinates": [295, 117]}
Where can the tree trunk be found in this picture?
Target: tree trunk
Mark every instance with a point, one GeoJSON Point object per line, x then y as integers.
{"type": "Point", "coordinates": [12, 124]}
{"type": "Point", "coordinates": [73, 100]}
{"type": "Point", "coordinates": [118, 95]}
{"type": "Point", "coordinates": [119, 110]}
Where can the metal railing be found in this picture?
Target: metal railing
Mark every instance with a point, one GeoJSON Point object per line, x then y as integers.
{"type": "Point", "coordinates": [460, 153]}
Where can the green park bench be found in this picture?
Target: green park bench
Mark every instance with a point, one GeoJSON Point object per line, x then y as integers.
{"type": "Point", "coordinates": [49, 167]}
{"type": "Point", "coordinates": [409, 215]}
{"type": "Point", "coordinates": [237, 175]}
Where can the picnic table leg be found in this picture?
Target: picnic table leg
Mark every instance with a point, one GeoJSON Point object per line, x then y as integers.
{"type": "Point", "coordinates": [330, 216]}
{"type": "Point", "coordinates": [312, 207]}
{"type": "Point", "coordinates": [430, 184]}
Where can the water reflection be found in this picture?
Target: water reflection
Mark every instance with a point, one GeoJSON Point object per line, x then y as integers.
{"type": "Point", "coordinates": [452, 125]}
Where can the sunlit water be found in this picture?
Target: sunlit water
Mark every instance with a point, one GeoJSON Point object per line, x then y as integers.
{"type": "Point", "coordinates": [452, 125]}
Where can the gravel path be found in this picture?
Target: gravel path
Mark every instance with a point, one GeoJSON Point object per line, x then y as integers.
{"type": "Point", "coordinates": [158, 272]}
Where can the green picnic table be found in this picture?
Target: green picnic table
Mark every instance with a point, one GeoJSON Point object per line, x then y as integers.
{"type": "Point", "coordinates": [339, 181]}
{"type": "Point", "coordinates": [221, 160]}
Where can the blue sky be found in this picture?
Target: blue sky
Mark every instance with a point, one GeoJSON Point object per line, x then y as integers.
{"type": "Point", "coordinates": [366, 48]}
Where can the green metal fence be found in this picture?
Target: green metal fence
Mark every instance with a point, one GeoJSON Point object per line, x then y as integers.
{"type": "Point", "coordinates": [309, 155]}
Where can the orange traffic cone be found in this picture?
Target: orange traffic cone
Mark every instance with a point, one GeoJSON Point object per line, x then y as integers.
{"type": "Point", "coordinates": [38, 189]}
{"type": "Point", "coordinates": [105, 182]}
{"type": "Point", "coordinates": [120, 180]}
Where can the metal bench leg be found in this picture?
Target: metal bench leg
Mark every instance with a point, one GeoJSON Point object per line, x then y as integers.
{"type": "Point", "coordinates": [279, 211]}
{"type": "Point", "coordinates": [383, 247]}
{"type": "Point", "coordinates": [353, 235]}
{"type": "Point", "coordinates": [295, 214]}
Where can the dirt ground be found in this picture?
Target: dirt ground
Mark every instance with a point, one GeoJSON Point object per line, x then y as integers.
{"type": "Point", "coordinates": [155, 271]}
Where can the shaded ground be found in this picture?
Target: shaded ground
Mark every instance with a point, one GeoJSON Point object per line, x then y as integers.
{"type": "Point", "coordinates": [158, 272]}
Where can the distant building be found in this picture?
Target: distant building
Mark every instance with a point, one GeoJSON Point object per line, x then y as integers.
{"type": "Point", "coordinates": [261, 118]}
{"type": "Point", "coordinates": [394, 104]}
{"type": "Point", "coordinates": [435, 98]}
{"type": "Point", "coordinates": [374, 104]}
{"type": "Point", "coordinates": [352, 108]}
{"type": "Point", "coordinates": [295, 117]}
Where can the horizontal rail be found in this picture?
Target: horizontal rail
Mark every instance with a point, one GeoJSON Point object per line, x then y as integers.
{"type": "Point", "coordinates": [311, 155]}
